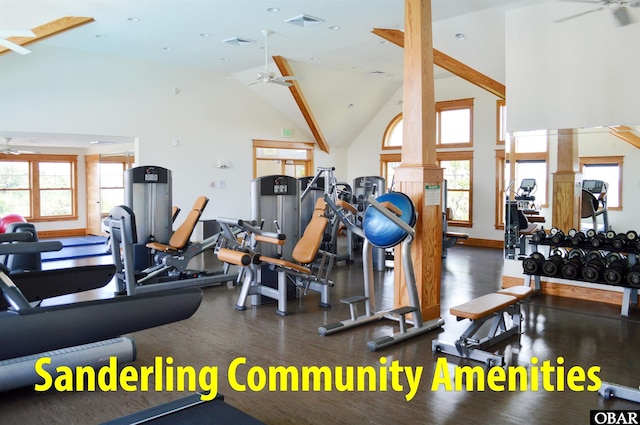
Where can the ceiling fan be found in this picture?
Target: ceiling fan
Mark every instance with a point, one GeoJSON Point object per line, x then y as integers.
{"type": "Point", "coordinates": [619, 9]}
{"type": "Point", "coordinates": [4, 34]}
{"type": "Point", "coordinates": [267, 77]}
{"type": "Point", "coordinates": [8, 150]}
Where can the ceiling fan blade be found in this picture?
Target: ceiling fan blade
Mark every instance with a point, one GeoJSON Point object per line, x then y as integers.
{"type": "Point", "coordinates": [578, 15]}
{"type": "Point", "coordinates": [13, 46]}
{"type": "Point", "coordinates": [281, 82]}
{"type": "Point", "coordinates": [622, 16]}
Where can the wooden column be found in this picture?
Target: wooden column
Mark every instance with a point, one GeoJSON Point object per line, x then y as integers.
{"type": "Point", "coordinates": [419, 176]}
{"type": "Point", "coordinates": [567, 183]}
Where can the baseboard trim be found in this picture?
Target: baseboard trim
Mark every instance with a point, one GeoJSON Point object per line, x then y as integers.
{"type": "Point", "coordinates": [570, 291]}
{"type": "Point", "coordinates": [64, 233]}
{"type": "Point", "coordinates": [484, 243]}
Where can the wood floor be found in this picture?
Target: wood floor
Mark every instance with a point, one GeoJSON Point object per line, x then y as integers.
{"type": "Point", "coordinates": [585, 334]}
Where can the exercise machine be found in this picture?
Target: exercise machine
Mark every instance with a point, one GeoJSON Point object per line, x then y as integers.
{"type": "Point", "coordinates": [363, 187]}
{"type": "Point", "coordinates": [123, 238]}
{"type": "Point", "coordinates": [324, 183]}
{"type": "Point", "coordinates": [387, 222]}
{"type": "Point", "coordinates": [302, 273]}
{"type": "Point", "coordinates": [189, 410]}
{"type": "Point", "coordinates": [148, 192]}
{"type": "Point", "coordinates": [78, 334]}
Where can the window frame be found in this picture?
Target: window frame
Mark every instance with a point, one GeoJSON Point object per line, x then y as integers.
{"type": "Point", "coordinates": [34, 161]}
{"type": "Point", "coordinates": [513, 157]}
{"type": "Point", "coordinates": [607, 160]}
{"type": "Point", "coordinates": [460, 156]}
{"type": "Point", "coordinates": [446, 105]}
{"type": "Point", "coordinates": [454, 105]}
{"type": "Point", "coordinates": [501, 122]}
{"type": "Point", "coordinates": [274, 144]}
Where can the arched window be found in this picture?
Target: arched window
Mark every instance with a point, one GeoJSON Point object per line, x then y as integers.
{"type": "Point", "coordinates": [392, 138]}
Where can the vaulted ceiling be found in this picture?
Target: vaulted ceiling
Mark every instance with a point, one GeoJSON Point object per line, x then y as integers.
{"type": "Point", "coordinates": [338, 55]}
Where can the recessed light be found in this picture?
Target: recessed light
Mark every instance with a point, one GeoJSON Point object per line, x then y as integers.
{"type": "Point", "coordinates": [101, 36]}
{"type": "Point", "coordinates": [225, 59]}
{"type": "Point", "coordinates": [133, 19]}
{"type": "Point", "coordinates": [167, 48]}
{"type": "Point", "coordinates": [205, 34]}
{"type": "Point", "coordinates": [273, 10]}
{"type": "Point", "coordinates": [335, 27]}
{"type": "Point", "coordinates": [313, 58]}
{"type": "Point", "coordinates": [460, 36]}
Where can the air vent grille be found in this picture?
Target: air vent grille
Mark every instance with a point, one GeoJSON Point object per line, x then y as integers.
{"type": "Point", "coordinates": [304, 20]}
{"type": "Point", "coordinates": [237, 41]}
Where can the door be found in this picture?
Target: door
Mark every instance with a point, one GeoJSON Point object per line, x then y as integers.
{"type": "Point", "coordinates": [94, 215]}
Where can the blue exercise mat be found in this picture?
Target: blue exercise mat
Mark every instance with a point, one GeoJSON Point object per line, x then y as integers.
{"type": "Point", "coordinates": [76, 251]}
{"type": "Point", "coordinates": [83, 240]}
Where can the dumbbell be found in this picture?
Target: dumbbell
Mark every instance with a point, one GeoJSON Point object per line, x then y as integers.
{"type": "Point", "coordinates": [573, 264]}
{"type": "Point", "coordinates": [598, 241]}
{"type": "Point", "coordinates": [619, 241]}
{"type": "Point", "coordinates": [553, 265]}
{"type": "Point", "coordinates": [557, 236]}
{"type": "Point", "coordinates": [533, 263]}
{"type": "Point", "coordinates": [592, 271]}
{"type": "Point", "coordinates": [577, 237]}
{"type": "Point", "coordinates": [538, 236]}
{"type": "Point", "coordinates": [616, 271]}
{"type": "Point", "coordinates": [633, 276]}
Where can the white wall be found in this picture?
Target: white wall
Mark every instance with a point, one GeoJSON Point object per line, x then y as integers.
{"type": "Point", "coordinates": [212, 117]}
{"type": "Point", "coordinates": [582, 72]}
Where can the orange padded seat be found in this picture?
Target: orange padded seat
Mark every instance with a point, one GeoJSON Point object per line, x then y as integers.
{"type": "Point", "coordinates": [181, 236]}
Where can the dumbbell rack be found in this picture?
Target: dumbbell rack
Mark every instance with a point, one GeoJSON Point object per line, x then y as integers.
{"type": "Point", "coordinates": [616, 246]}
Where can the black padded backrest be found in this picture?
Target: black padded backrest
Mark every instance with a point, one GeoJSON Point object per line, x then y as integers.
{"type": "Point", "coordinates": [23, 262]}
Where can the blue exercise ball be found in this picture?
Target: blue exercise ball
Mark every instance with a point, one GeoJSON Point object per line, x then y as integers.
{"type": "Point", "coordinates": [382, 232]}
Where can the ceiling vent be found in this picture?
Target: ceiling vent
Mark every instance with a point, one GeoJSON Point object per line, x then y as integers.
{"type": "Point", "coordinates": [304, 21]}
{"type": "Point", "coordinates": [237, 41]}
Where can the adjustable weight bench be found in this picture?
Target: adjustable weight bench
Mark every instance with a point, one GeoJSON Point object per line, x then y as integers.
{"type": "Point", "coordinates": [493, 307]}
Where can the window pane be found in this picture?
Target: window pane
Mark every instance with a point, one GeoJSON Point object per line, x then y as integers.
{"type": "Point", "coordinates": [395, 135]}
{"type": "Point", "coordinates": [15, 202]}
{"type": "Point", "coordinates": [55, 202]}
{"type": "Point", "coordinates": [457, 174]}
{"type": "Point", "coordinates": [458, 202]}
{"type": "Point", "coordinates": [531, 141]}
{"type": "Point", "coordinates": [281, 153]}
{"type": "Point", "coordinates": [110, 198]}
{"type": "Point", "coordinates": [608, 173]}
{"type": "Point", "coordinates": [391, 169]}
{"type": "Point", "coordinates": [14, 175]}
{"type": "Point", "coordinates": [533, 170]}
{"type": "Point", "coordinates": [455, 126]}
{"type": "Point", "coordinates": [111, 174]}
{"type": "Point", "coordinates": [55, 175]}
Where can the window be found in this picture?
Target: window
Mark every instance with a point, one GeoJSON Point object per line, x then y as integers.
{"type": "Point", "coordinates": [39, 187]}
{"type": "Point", "coordinates": [392, 138]}
{"type": "Point", "coordinates": [293, 159]}
{"type": "Point", "coordinates": [454, 126]}
{"type": "Point", "coordinates": [501, 121]}
{"type": "Point", "coordinates": [388, 164]}
{"type": "Point", "coordinates": [609, 170]}
{"type": "Point", "coordinates": [458, 174]}
{"type": "Point", "coordinates": [528, 159]}
{"type": "Point", "coordinates": [454, 123]}
{"type": "Point", "coordinates": [112, 183]}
